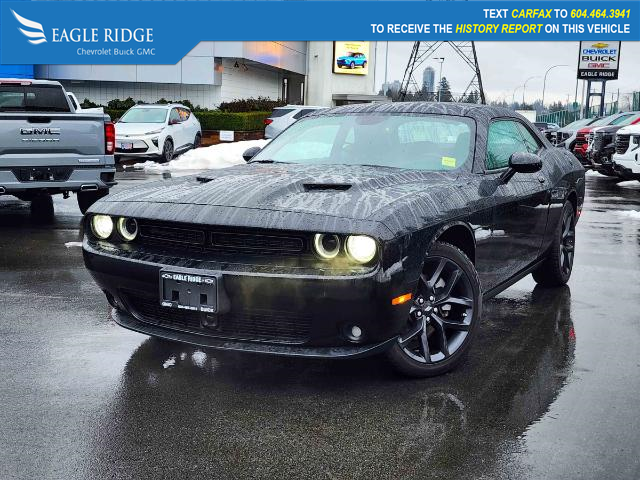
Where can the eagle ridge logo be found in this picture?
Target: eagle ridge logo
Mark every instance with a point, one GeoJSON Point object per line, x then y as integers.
{"type": "Point", "coordinates": [36, 34]}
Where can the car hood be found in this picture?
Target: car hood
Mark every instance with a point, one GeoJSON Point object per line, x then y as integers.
{"type": "Point", "coordinates": [356, 192]}
{"type": "Point", "coordinates": [630, 130]}
{"type": "Point", "coordinates": [137, 128]}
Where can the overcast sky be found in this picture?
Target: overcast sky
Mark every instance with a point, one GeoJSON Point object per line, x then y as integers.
{"type": "Point", "coordinates": [506, 65]}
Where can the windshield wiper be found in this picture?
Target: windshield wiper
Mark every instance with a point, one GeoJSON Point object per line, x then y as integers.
{"type": "Point", "coordinates": [268, 160]}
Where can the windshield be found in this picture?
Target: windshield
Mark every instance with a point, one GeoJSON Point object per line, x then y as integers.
{"type": "Point", "coordinates": [144, 115]}
{"type": "Point", "coordinates": [423, 142]}
{"type": "Point", "coordinates": [579, 123]}
{"type": "Point", "coordinates": [628, 120]}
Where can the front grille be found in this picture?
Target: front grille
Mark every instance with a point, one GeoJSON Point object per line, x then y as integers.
{"type": "Point", "coordinates": [253, 325]}
{"type": "Point", "coordinates": [598, 142]}
{"type": "Point", "coordinates": [43, 174]}
{"type": "Point", "coordinates": [622, 143]}
{"type": "Point", "coordinates": [223, 240]}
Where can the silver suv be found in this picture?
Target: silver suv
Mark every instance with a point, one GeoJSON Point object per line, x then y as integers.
{"type": "Point", "coordinates": [282, 117]}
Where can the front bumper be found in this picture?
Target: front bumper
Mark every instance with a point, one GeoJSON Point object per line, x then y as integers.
{"type": "Point", "coordinates": [267, 311]}
{"type": "Point", "coordinates": [627, 166]}
{"type": "Point", "coordinates": [142, 146]}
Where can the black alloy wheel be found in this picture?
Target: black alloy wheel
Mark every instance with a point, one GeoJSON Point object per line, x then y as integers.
{"type": "Point", "coordinates": [167, 151]}
{"type": "Point", "coordinates": [557, 267]}
{"type": "Point", "coordinates": [364, 64]}
{"type": "Point", "coordinates": [443, 316]}
{"type": "Point", "coordinates": [352, 65]}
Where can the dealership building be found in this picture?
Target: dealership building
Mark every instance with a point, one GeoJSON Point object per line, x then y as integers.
{"type": "Point", "coordinates": [215, 72]}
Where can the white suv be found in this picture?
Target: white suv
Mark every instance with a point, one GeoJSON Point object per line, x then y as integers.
{"type": "Point", "coordinates": [282, 117]}
{"type": "Point", "coordinates": [157, 132]}
{"type": "Point", "coordinates": [627, 157]}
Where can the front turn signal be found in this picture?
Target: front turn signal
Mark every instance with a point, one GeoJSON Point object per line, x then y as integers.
{"type": "Point", "coordinates": [401, 299]}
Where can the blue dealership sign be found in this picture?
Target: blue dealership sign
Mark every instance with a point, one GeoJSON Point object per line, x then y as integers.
{"type": "Point", "coordinates": [138, 32]}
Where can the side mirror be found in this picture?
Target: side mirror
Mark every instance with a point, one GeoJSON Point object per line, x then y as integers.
{"type": "Point", "coordinates": [522, 162]}
{"type": "Point", "coordinates": [249, 153]}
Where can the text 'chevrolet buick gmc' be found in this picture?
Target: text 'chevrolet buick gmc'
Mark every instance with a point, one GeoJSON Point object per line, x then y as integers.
{"type": "Point", "coordinates": [359, 230]}
{"type": "Point", "coordinates": [48, 148]}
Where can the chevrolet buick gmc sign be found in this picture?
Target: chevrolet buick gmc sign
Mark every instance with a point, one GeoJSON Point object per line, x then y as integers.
{"type": "Point", "coordinates": [599, 60]}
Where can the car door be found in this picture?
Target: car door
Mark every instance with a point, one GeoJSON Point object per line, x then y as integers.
{"type": "Point", "coordinates": [520, 205]}
{"type": "Point", "coordinates": [176, 129]}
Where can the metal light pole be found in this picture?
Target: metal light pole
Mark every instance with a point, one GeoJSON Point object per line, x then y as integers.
{"type": "Point", "coordinates": [524, 86]}
{"type": "Point", "coordinates": [441, 60]}
{"type": "Point", "coordinates": [544, 83]}
{"type": "Point", "coordinates": [513, 97]}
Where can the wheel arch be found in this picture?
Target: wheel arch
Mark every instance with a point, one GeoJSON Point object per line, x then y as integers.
{"type": "Point", "coordinates": [458, 234]}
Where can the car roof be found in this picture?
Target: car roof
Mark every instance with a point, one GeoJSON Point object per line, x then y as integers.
{"type": "Point", "coordinates": [301, 107]}
{"type": "Point", "coordinates": [473, 110]}
{"type": "Point", "coordinates": [31, 81]}
{"type": "Point", "coordinates": [160, 105]}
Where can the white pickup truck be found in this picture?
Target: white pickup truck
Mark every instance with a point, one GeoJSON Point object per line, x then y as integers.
{"type": "Point", "coordinates": [47, 148]}
{"type": "Point", "coordinates": [626, 159]}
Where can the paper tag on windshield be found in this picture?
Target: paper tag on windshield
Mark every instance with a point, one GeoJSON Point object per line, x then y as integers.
{"type": "Point", "coordinates": [448, 162]}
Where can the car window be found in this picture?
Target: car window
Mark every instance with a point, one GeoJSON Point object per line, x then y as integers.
{"type": "Point", "coordinates": [33, 98]}
{"type": "Point", "coordinates": [184, 114]}
{"type": "Point", "coordinates": [174, 115]}
{"type": "Point", "coordinates": [302, 113]}
{"type": "Point", "coordinates": [533, 145]}
{"type": "Point", "coordinates": [280, 112]}
{"type": "Point", "coordinates": [620, 120]}
{"type": "Point", "coordinates": [503, 140]}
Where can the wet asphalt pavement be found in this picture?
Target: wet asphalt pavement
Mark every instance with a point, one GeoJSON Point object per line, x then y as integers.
{"type": "Point", "coordinates": [550, 388]}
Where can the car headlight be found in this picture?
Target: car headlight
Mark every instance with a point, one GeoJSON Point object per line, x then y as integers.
{"type": "Point", "coordinates": [128, 228]}
{"type": "Point", "coordinates": [153, 132]}
{"type": "Point", "coordinates": [102, 226]}
{"type": "Point", "coordinates": [326, 245]}
{"type": "Point", "coordinates": [361, 248]}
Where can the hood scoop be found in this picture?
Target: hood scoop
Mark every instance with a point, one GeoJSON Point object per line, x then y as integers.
{"type": "Point", "coordinates": [323, 187]}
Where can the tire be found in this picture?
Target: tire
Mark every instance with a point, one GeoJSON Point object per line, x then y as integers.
{"type": "Point", "coordinates": [444, 313]}
{"type": "Point", "coordinates": [556, 268]}
{"type": "Point", "coordinates": [352, 65]}
{"type": "Point", "coordinates": [86, 199]}
{"type": "Point", "coordinates": [197, 141]}
{"type": "Point", "coordinates": [364, 64]}
{"type": "Point", "coordinates": [42, 206]}
{"type": "Point", "coordinates": [167, 151]}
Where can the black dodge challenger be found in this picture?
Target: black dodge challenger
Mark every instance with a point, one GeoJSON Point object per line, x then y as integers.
{"type": "Point", "coordinates": [359, 230]}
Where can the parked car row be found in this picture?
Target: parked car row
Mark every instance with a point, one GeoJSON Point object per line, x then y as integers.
{"type": "Point", "coordinates": [608, 145]}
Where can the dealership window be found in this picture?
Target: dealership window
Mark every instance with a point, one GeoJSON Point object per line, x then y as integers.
{"type": "Point", "coordinates": [504, 140]}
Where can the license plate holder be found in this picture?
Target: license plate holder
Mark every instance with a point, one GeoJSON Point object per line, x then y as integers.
{"type": "Point", "coordinates": [189, 290]}
{"type": "Point", "coordinates": [126, 146]}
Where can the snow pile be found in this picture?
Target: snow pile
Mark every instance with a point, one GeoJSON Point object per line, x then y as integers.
{"type": "Point", "coordinates": [222, 155]}
{"type": "Point", "coordinates": [629, 183]}
{"type": "Point", "coordinates": [593, 173]}
{"type": "Point", "coordinates": [632, 214]}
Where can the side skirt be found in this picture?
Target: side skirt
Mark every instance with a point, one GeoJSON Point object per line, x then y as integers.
{"type": "Point", "coordinates": [517, 277]}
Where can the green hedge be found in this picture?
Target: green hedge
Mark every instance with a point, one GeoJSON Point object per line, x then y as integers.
{"type": "Point", "coordinates": [215, 120]}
